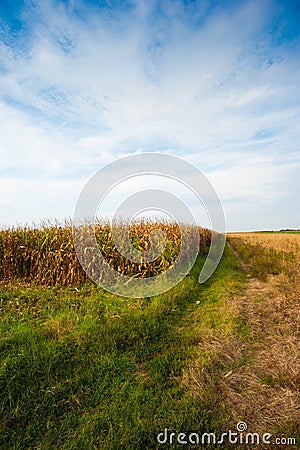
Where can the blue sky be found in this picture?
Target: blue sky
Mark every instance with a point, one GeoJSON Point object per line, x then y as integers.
{"type": "Point", "coordinates": [214, 82]}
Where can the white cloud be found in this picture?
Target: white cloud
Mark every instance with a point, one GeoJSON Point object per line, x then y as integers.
{"type": "Point", "coordinates": [85, 92]}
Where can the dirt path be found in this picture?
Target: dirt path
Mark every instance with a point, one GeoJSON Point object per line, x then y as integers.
{"type": "Point", "coordinates": [264, 391]}
{"type": "Point", "coordinates": [244, 266]}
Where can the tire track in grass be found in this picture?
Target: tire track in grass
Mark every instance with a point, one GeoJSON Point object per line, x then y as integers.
{"type": "Point", "coordinates": [265, 392]}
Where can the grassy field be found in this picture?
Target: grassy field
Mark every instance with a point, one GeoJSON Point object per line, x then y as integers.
{"type": "Point", "coordinates": [84, 369]}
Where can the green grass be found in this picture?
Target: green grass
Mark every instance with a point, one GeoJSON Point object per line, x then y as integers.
{"type": "Point", "coordinates": [83, 369]}
{"type": "Point", "coordinates": [262, 261]}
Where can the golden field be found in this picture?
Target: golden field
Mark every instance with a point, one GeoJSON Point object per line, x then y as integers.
{"type": "Point", "coordinates": [286, 242]}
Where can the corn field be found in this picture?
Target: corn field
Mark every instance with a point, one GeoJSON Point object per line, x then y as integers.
{"type": "Point", "coordinates": [46, 255]}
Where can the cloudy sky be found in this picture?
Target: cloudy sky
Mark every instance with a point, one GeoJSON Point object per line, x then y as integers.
{"type": "Point", "coordinates": [85, 82]}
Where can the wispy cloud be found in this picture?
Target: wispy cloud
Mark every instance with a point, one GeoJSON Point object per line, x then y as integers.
{"type": "Point", "coordinates": [216, 83]}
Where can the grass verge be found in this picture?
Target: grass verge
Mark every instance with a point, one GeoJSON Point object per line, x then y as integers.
{"type": "Point", "coordinates": [83, 369]}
